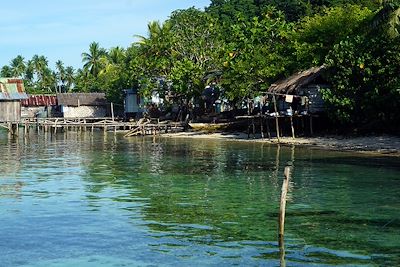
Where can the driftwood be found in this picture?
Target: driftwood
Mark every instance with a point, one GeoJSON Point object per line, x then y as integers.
{"type": "Point", "coordinates": [139, 129]}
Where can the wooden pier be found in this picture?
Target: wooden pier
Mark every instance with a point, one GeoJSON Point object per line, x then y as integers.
{"type": "Point", "coordinates": [54, 125]}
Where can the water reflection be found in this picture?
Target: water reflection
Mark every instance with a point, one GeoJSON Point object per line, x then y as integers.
{"type": "Point", "coordinates": [202, 201]}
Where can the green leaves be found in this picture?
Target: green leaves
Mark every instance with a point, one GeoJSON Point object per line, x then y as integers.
{"type": "Point", "coordinates": [256, 55]}
{"type": "Point", "coordinates": [316, 35]}
{"type": "Point", "coordinates": [364, 74]}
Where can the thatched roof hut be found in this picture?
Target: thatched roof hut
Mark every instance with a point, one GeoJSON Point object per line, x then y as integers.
{"type": "Point", "coordinates": [292, 84]}
{"type": "Point", "coordinates": [305, 85]}
{"type": "Point", "coordinates": [83, 105]}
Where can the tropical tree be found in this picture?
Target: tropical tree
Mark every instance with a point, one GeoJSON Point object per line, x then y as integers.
{"type": "Point", "coordinates": [316, 35]}
{"type": "Point", "coordinates": [6, 71]}
{"type": "Point", "coordinates": [92, 59]}
{"type": "Point", "coordinates": [387, 19]}
{"type": "Point", "coordinates": [155, 50]}
{"type": "Point", "coordinates": [259, 54]}
{"type": "Point", "coordinates": [116, 55]}
{"type": "Point", "coordinates": [69, 77]}
{"type": "Point", "coordinates": [196, 47]}
{"type": "Point", "coordinates": [61, 74]}
{"type": "Point", "coordinates": [363, 70]}
{"type": "Point", "coordinates": [39, 74]}
{"type": "Point", "coordinates": [18, 66]}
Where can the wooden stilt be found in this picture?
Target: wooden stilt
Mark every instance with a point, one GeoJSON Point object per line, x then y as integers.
{"type": "Point", "coordinates": [291, 125]}
{"type": "Point", "coordinates": [262, 126]}
{"type": "Point", "coordinates": [112, 111]}
{"type": "Point", "coordinates": [254, 127]}
{"type": "Point", "coordinates": [268, 130]}
{"type": "Point", "coordinates": [276, 118]}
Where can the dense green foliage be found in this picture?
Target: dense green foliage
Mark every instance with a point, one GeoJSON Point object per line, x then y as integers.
{"type": "Point", "coordinates": [244, 46]}
{"type": "Point", "coordinates": [258, 53]}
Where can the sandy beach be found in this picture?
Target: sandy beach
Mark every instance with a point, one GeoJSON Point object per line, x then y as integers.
{"type": "Point", "coordinates": [381, 145]}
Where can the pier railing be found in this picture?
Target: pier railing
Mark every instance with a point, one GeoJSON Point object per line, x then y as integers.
{"type": "Point", "coordinates": [147, 126]}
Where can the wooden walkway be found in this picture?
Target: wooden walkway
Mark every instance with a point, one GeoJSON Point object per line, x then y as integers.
{"type": "Point", "coordinates": [141, 127]}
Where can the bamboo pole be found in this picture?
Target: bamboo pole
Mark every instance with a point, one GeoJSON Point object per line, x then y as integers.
{"type": "Point", "coordinates": [276, 119]}
{"type": "Point", "coordinates": [25, 129]}
{"type": "Point", "coordinates": [112, 111]}
{"type": "Point", "coordinates": [282, 211]}
{"type": "Point", "coordinates": [262, 126]}
{"type": "Point", "coordinates": [291, 125]}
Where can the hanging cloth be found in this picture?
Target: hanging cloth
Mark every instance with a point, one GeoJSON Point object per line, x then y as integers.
{"type": "Point", "coordinates": [289, 98]}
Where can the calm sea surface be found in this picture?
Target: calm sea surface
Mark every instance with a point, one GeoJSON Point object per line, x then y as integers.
{"type": "Point", "coordinates": [103, 200]}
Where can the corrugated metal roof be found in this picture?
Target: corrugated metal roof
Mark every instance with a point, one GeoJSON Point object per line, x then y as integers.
{"type": "Point", "coordinates": [82, 99]}
{"type": "Point", "coordinates": [39, 100]}
{"type": "Point", "coordinates": [12, 89]}
{"type": "Point", "coordinates": [291, 84]}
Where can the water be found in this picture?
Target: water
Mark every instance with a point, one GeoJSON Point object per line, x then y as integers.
{"type": "Point", "coordinates": [102, 200]}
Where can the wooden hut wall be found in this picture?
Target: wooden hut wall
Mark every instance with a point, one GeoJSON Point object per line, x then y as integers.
{"type": "Point", "coordinates": [313, 92]}
{"type": "Point", "coordinates": [10, 111]}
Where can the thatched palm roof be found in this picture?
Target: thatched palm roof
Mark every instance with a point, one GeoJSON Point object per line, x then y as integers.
{"type": "Point", "coordinates": [291, 84]}
{"type": "Point", "coordinates": [82, 99]}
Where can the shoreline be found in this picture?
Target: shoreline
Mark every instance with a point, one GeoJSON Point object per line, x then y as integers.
{"type": "Point", "coordinates": [383, 145]}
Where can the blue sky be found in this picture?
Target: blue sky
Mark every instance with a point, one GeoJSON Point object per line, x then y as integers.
{"type": "Point", "coordinates": [64, 29]}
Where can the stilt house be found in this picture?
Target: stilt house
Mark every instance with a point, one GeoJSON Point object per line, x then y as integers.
{"type": "Point", "coordinates": [301, 91]}
{"type": "Point", "coordinates": [40, 106]}
{"type": "Point", "coordinates": [12, 91]}
{"type": "Point", "coordinates": [83, 105]}
{"type": "Point", "coordinates": [133, 103]}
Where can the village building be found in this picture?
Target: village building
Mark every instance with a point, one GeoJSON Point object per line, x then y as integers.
{"type": "Point", "coordinates": [301, 92]}
{"type": "Point", "coordinates": [12, 91]}
{"type": "Point", "coordinates": [40, 106]}
{"type": "Point", "coordinates": [83, 105]}
{"type": "Point", "coordinates": [133, 103]}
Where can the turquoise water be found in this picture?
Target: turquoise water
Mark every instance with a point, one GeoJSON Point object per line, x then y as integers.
{"type": "Point", "coordinates": [81, 200]}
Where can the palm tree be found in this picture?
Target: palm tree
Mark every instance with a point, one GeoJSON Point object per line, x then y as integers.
{"type": "Point", "coordinates": [49, 80]}
{"type": "Point", "coordinates": [158, 38]}
{"type": "Point", "coordinates": [116, 55]}
{"type": "Point", "coordinates": [6, 71]}
{"type": "Point", "coordinates": [29, 74]}
{"type": "Point", "coordinates": [92, 59]}
{"type": "Point", "coordinates": [18, 66]}
{"type": "Point", "coordinates": [39, 65]}
{"type": "Point", "coordinates": [69, 77]}
{"type": "Point", "coordinates": [60, 72]}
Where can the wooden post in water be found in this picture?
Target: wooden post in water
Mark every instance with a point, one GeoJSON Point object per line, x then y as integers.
{"type": "Point", "coordinates": [267, 123]}
{"type": "Point", "coordinates": [13, 128]}
{"type": "Point", "coordinates": [262, 126]}
{"type": "Point", "coordinates": [276, 118]}
{"type": "Point", "coordinates": [112, 111]}
{"type": "Point", "coordinates": [282, 211]}
{"type": "Point", "coordinates": [26, 129]}
{"type": "Point", "coordinates": [291, 125]}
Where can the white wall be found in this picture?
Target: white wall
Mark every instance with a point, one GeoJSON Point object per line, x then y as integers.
{"type": "Point", "coordinates": [84, 112]}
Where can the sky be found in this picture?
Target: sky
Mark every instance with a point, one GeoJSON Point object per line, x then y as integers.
{"type": "Point", "coordinates": [63, 29]}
